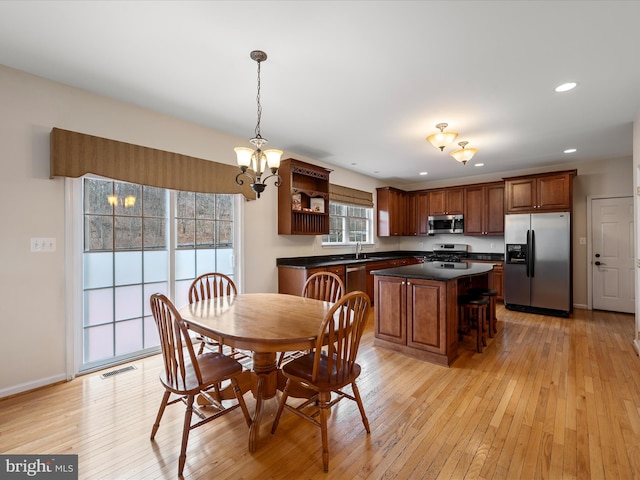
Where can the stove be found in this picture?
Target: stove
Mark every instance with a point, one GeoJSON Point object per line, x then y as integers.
{"type": "Point", "coordinates": [447, 252]}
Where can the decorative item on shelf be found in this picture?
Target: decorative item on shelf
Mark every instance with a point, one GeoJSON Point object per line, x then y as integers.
{"type": "Point", "coordinates": [258, 159]}
{"type": "Point", "coordinates": [442, 139]}
{"type": "Point", "coordinates": [317, 204]}
{"type": "Point", "coordinates": [296, 202]}
{"type": "Point", "coordinates": [464, 154]}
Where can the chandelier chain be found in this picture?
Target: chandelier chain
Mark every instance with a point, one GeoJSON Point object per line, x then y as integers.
{"type": "Point", "coordinates": [257, 131]}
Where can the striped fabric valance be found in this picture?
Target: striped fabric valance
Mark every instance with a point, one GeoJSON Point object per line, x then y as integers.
{"type": "Point", "coordinates": [76, 154]}
{"type": "Point", "coordinates": [350, 196]}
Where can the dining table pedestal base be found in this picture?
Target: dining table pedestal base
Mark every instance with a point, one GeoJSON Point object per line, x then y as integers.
{"type": "Point", "coordinates": [264, 382]}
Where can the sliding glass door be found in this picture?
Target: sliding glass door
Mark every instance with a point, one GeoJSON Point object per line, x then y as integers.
{"type": "Point", "coordinates": [138, 240]}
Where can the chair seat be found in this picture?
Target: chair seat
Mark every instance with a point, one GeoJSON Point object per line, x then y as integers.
{"type": "Point", "coordinates": [482, 292]}
{"type": "Point", "coordinates": [301, 369]}
{"type": "Point", "coordinates": [472, 300]}
{"type": "Point", "coordinates": [214, 368]}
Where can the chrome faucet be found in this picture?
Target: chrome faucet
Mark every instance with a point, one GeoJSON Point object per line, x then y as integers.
{"type": "Point", "coordinates": [358, 250]}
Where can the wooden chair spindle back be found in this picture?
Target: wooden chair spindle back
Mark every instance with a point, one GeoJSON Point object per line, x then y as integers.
{"type": "Point", "coordinates": [340, 336]}
{"type": "Point", "coordinates": [325, 286]}
{"type": "Point", "coordinates": [174, 340]}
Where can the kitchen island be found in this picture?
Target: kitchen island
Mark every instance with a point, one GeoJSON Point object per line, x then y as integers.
{"type": "Point", "coordinates": [416, 307]}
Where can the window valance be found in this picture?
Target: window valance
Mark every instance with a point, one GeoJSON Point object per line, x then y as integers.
{"type": "Point", "coordinates": [76, 154]}
{"type": "Point", "coordinates": [350, 196]}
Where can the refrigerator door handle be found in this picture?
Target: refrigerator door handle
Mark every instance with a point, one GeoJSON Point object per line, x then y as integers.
{"type": "Point", "coordinates": [528, 252]}
{"type": "Point", "coordinates": [532, 250]}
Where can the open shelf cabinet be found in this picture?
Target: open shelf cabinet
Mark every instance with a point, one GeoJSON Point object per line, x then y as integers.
{"type": "Point", "coordinates": [303, 199]}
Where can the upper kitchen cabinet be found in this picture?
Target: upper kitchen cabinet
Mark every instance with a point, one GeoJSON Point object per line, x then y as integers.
{"type": "Point", "coordinates": [392, 207]}
{"type": "Point", "coordinates": [447, 201]}
{"type": "Point", "coordinates": [303, 199]}
{"type": "Point", "coordinates": [484, 209]}
{"type": "Point", "coordinates": [549, 192]}
{"type": "Point", "coordinates": [417, 213]}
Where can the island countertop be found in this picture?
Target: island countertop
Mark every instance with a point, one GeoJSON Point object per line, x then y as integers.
{"type": "Point", "coordinates": [435, 271]}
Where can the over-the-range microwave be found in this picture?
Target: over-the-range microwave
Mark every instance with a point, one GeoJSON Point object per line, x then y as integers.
{"type": "Point", "coordinates": [446, 224]}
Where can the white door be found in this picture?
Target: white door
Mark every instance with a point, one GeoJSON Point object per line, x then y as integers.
{"type": "Point", "coordinates": [613, 254]}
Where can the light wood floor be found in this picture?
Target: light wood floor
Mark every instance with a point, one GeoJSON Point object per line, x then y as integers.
{"type": "Point", "coordinates": [549, 398]}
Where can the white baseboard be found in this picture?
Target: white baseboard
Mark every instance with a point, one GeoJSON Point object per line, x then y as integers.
{"type": "Point", "coordinates": [25, 387]}
{"type": "Point", "coordinates": [636, 344]}
{"type": "Point", "coordinates": [581, 306]}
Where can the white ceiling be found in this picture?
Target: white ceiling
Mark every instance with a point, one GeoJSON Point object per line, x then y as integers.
{"type": "Point", "coordinates": [358, 84]}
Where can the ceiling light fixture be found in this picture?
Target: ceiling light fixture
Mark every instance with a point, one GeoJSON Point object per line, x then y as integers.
{"type": "Point", "coordinates": [442, 139]}
{"type": "Point", "coordinates": [257, 159]}
{"type": "Point", "coordinates": [565, 87]}
{"type": "Point", "coordinates": [571, 150]}
{"type": "Point", "coordinates": [464, 154]}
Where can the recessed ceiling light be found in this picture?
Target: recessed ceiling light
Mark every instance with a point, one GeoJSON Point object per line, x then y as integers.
{"type": "Point", "coordinates": [478, 164]}
{"type": "Point", "coordinates": [571, 150]}
{"type": "Point", "coordinates": [565, 87]}
{"type": "Point", "coordinates": [424, 173]}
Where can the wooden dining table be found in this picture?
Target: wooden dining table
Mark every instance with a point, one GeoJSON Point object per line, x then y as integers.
{"type": "Point", "coordinates": [265, 324]}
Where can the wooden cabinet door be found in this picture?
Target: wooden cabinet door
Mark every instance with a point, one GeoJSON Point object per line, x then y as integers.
{"type": "Point", "coordinates": [484, 209]}
{"type": "Point", "coordinates": [521, 195]}
{"type": "Point", "coordinates": [391, 310]}
{"type": "Point", "coordinates": [411, 226]}
{"type": "Point", "coordinates": [474, 211]}
{"type": "Point", "coordinates": [426, 308]}
{"type": "Point", "coordinates": [391, 211]}
{"type": "Point", "coordinates": [455, 201]}
{"type": "Point", "coordinates": [417, 203]}
{"type": "Point", "coordinates": [437, 202]}
{"type": "Point", "coordinates": [554, 192]}
{"type": "Point", "coordinates": [423, 213]}
{"type": "Point", "coordinates": [494, 209]}
{"type": "Point", "coordinates": [398, 212]}
{"type": "Point", "coordinates": [545, 192]}
{"type": "Point", "coordinates": [448, 201]}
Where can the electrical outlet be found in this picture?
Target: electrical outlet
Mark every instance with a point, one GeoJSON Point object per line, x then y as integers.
{"type": "Point", "coordinates": [41, 245]}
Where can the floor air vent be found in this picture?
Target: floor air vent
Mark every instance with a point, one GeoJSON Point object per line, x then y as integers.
{"type": "Point", "coordinates": [117, 372]}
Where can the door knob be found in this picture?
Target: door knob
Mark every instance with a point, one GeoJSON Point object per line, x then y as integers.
{"type": "Point", "coordinates": [597, 255]}
{"type": "Point", "coordinates": [600, 263]}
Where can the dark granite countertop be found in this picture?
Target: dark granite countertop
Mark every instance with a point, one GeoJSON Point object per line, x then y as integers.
{"type": "Point", "coordinates": [431, 271]}
{"type": "Point", "coordinates": [346, 259]}
{"type": "Point", "coordinates": [350, 258]}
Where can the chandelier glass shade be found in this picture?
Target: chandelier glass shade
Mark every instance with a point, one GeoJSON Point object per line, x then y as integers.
{"type": "Point", "coordinates": [442, 139]}
{"type": "Point", "coordinates": [254, 162]}
{"type": "Point", "coordinates": [463, 155]}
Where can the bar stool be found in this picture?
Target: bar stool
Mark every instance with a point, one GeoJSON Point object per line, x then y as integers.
{"type": "Point", "coordinates": [475, 307]}
{"type": "Point", "coordinates": [491, 294]}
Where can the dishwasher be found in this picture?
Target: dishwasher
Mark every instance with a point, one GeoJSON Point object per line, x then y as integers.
{"type": "Point", "coordinates": [356, 278]}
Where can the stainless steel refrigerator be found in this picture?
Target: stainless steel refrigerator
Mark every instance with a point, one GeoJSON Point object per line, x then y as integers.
{"type": "Point", "coordinates": [537, 269]}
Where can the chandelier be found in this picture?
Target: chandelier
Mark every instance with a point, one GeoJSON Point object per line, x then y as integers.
{"type": "Point", "coordinates": [442, 139]}
{"type": "Point", "coordinates": [464, 154]}
{"type": "Point", "coordinates": [258, 160]}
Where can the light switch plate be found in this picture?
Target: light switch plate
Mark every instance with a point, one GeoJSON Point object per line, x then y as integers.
{"type": "Point", "coordinates": [41, 245]}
